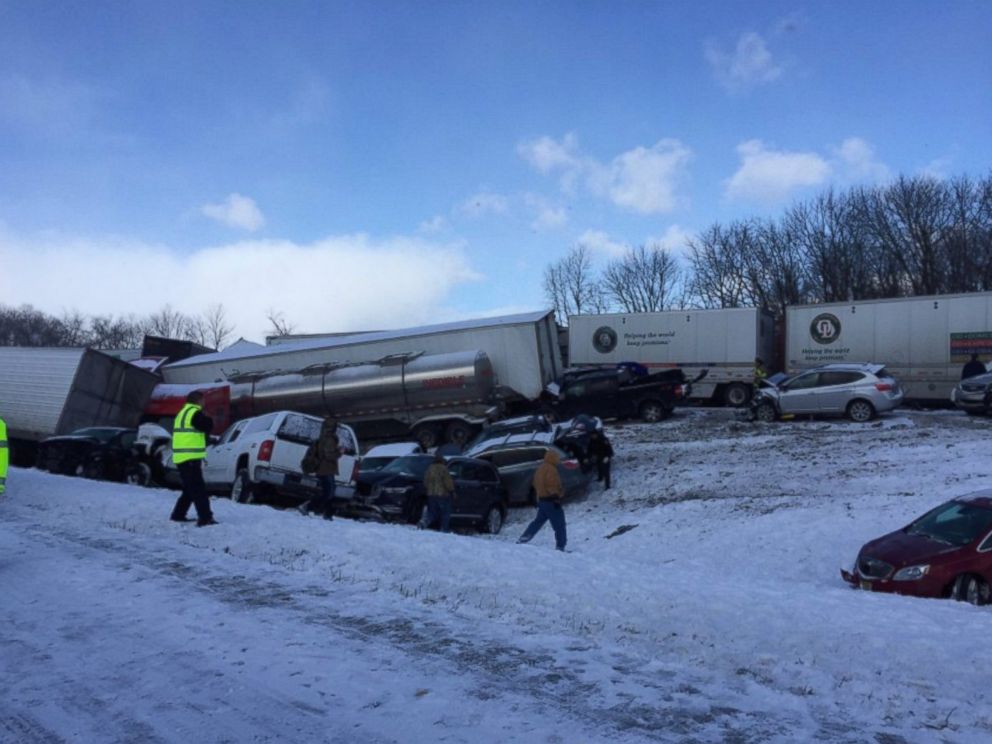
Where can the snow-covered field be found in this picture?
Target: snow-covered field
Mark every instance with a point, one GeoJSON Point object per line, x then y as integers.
{"type": "Point", "coordinates": [702, 603]}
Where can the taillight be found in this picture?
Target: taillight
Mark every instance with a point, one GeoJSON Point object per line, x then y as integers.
{"type": "Point", "coordinates": [570, 464]}
{"type": "Point", "coordinates": [354, 471]}
{"type": "Point", "coordinates": [265, 450]}
{"type": "Point", "coordinates": [678, 391]}
{"type": "Point", "coordinates": [883, 387]}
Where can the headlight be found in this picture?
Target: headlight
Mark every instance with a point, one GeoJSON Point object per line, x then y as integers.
{"type": "Point", "coordinates": [911, 573]}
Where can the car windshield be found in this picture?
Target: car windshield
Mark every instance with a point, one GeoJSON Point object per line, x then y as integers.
{"type": "Point", "coordinates": [415, 465]}
{"type": "Point", "coordinates": [954, 523]}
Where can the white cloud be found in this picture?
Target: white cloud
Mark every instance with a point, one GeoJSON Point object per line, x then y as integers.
{"type": "Point", "coordinates": [938, 168]}
{"type": "Point", "coordinates": [484, 203]}
{"type": "Point", "coordinates": [235, 211]}
{"type": "Point", "coordinates": [674, 240]}
{"type": "Point", "coordinates": [340, 283]}
{"type": "Point", "coordinates": [642, 180]}
{"type": "Point", "coordinates": [547, 216]}
{"type": "Point", "coordinates": [770, 176]}
{"type": "Point", "coordinates": [750, 63]}
{"type": "Point", "coordinates": [435, 224]}
{"type": "Point", "coordinates": [602, 244]}
{"type": "Point", "coordinates": [857, 161]}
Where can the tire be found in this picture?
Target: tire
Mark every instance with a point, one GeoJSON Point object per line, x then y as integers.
{"type": "Point", "coordinates": [736, 394]}
{"type": "Point", "coordinates": [765, 413]}
{"type": "Point", "coordinates": [860, 411]}
{"type": "Point", "coordinates": [971, 589]}
{"type": "Point", "coordinates": [93, 470]}
{"type": "Point", "coordinates": [138, 474]}
{"type": "Point", "coordinates": [241, 489]}
{"type": "Point", "coordinates": [653, 411]}
{"type": "Point", "coordinates": [492, 522]}
{"type": "Point", "coordinates": [458, 432]}
{"type": "Point", "coordinates": [427, 436]}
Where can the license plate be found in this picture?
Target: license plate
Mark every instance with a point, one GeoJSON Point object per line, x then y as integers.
{"type": "Point", "coordinates": [866, 585]}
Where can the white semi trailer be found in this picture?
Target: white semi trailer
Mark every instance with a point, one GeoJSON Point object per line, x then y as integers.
{"type": "Point", "coordinates": [923, 341]}
{"type": "Point", "coordinates": [723, 342]}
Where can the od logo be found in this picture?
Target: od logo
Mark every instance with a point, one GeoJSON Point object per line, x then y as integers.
{"type": "Point", "coordinates": [604, 339]}
{"type": "Point", "coordinates": [825, 328]}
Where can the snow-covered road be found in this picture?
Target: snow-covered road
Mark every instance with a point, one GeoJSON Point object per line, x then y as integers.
{"type": "Point", "coordinates": [717, 615]}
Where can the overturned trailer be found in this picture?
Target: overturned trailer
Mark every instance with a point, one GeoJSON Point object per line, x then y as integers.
{"type": "Point", "coordinates": [436, 383]}
{"type": "Point", "coordinates": [49, 391]}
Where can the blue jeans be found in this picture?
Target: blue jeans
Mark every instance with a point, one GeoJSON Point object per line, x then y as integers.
{"type": "Point", "coordinates": [438, 508]}
{"type": "Point", "coordinates": [547, 511]}
{"type": "Point", "coordinates": [324, 504]}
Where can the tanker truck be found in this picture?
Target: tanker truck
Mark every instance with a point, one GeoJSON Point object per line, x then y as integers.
{"type": "Point", "coordinates": [431, 397]}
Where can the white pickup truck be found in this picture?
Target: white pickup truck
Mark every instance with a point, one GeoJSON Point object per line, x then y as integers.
{"type": "Point", "coordinates": [261, 456]}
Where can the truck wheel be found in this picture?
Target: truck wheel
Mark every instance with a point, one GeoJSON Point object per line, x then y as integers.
{"type": "Point", "coordinates": [241, 490]}
{"type": "Point", "coordinates": [492, 523]}
{"type": "Point", "coordinates": [736, 394]}
{"type": "Point", "coordinates": [138, 474]}
{"type": "Point", "coordinates": [653, 411]}
{"type": "Point", "coordinates": [458, 432]}
{"type": "Point", "coordinates": [426, 435]}
{"type": "Point", "coordinates": [765, 413]}
{"type": "Point", "coordinates": [860, 411]}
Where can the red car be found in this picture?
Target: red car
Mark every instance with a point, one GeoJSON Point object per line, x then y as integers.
{"type": "Point", "coordinates": [945, 553]}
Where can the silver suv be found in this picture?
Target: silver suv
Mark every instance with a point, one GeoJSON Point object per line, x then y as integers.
{"type": "Point", "coordinates": [858, 391]}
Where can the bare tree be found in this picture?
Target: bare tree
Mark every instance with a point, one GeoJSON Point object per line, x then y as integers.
{"type": "Point", "coordinates": [75, 331]}
{"type": "Point", "coordinates": [570, 287]}
{"type": "Point", "coordinates": [108, 332]}
{"type": "Point", "coordinates": [717, 269]}
{"type": "Point", "coordinates": [644, 280]}
{"type": "Point", "coordinates": [217, 327]}
{"type": "Point", "coordinates": [169, 323]}
{"type": "Point", "coordinates": [280, 326]}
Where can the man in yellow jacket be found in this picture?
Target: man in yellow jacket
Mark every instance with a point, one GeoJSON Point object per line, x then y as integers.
{"type": "Point", "coordinates": [550, 493]}
{"type": "Point", "coordinates": [189, 448]}
{"type": "Point", "coordinates": [4, 456]}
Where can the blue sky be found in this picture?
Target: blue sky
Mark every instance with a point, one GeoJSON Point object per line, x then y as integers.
{"type": "Point", "coordinates": [382, 164]}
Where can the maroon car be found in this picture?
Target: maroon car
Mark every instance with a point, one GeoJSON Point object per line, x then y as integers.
{"type": "Point", "coordinates": [945, 553]}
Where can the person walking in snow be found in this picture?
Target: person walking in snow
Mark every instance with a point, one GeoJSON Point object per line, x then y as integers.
{"type": "Point", "coordinates": [440, 490]}
{"type": "Point", "coordinates": [189, 449]}
{"type": "Point", "coordinates": [550, 494]}
{"type": "Point", "coordinates": [602, 455]}
{"type": "Point", "coordinates": [328, 454]}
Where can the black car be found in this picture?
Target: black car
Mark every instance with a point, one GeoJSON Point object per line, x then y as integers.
{"type": "Point", "coordinates": [102, 452]}
{"type": "Point", "coordinates": [616, 393]}
{"type": "Point", "coordinates": [480, 498]}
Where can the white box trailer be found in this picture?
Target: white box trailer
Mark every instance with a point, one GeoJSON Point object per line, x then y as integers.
{"type": "Point", "coordinates": [48, 391]}
{"type": "Point", "coordinates": [724, 342]}
{"type": "Point", "coordinates": [923, 341]}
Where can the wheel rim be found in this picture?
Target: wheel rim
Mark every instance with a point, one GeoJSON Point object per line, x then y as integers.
{"type": "Point", "coordinates": [651, 413]}
{"type": "Point", "coordinates": [140, 475]}
{"type": "Point", "coordinates": [237, 490]}
{"type": "Point", "coordinates": [860, 411]}
{"type": "Point", "coordinates": [494, 521]}
{"type": "Point", "coordinates": [766, 413]}
{"type": "Point", "coordinates": [736, 395]}
{"type": "Point", "coordinates": [976, 592]}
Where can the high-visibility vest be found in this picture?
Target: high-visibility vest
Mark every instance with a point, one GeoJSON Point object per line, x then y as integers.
{"type": "Point", "coordinates": [4, 455]}
{"type": "Point", "coordinates": [187, 443]}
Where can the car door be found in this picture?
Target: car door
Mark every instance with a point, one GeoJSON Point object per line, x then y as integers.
{"type": "Point", "coordinates": [467, 487]}
{"type": "Point", "coordinates": [836, 389]}
{"type": "Point", "coordinates": [798, 395]}
{"type": "Point", "coordinates": [221, 456]}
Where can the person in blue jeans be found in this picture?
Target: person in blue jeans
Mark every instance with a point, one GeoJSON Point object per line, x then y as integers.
{"type": "Point", "coordinates": [440, 489]}
{"type": "Point", "coordinates": [328, 453]}
{"type": "Point", "coordinates": [550, 493]}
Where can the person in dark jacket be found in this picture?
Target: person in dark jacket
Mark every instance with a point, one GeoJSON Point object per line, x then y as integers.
{"type": "Point", "coordinates": [550, 494]}
{"type": "Point", "coordinates": [601, 452]}
{"type": "Point", "coordinates": [972, 367]}
{"type": "Point", "coordinates": [328, 454]}
{"type": "Point", "coordinates": [440, 489]}
{"type": "Point", "coordinates": [189, 448]}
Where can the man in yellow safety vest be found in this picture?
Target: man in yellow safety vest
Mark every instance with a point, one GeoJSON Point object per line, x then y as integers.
{"type": "Point", "coordinates": [4, 456]}
{"type": "Point", "coordinates": [189, 447]}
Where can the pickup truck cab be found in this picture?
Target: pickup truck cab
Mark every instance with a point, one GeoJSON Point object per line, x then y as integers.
{"type": "Point", "coordinates": [616, 394]}
{"type": "Point", "coordinates": [261, 456]}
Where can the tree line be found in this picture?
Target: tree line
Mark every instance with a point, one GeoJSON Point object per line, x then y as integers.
{"type": "Point", "coordinates": [27, 326]}
{"type": "Point", "coordinates": [913, 236]}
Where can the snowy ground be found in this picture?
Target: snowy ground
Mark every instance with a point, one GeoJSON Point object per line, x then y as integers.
{"type": "Point", "coordinates": [716, 615]}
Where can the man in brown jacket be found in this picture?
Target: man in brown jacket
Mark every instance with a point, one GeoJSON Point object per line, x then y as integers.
{"type": "Point", "coordinates": [547, 486]}
{"type": "Point", "coordinates": [328, 452]}
{"type": "Point", "coordinates": [440, 490]}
